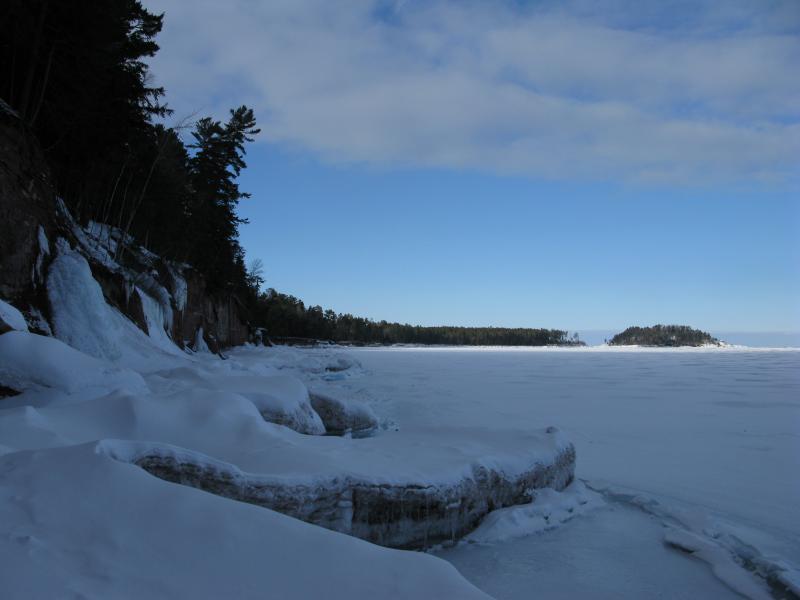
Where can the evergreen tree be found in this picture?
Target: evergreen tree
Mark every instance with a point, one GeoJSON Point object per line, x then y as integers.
{"type": "Point", "coordinates": [215, 166]}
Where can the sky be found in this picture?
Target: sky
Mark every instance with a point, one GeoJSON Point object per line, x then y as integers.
{"type": "Point", "coordinates": [579, 165]}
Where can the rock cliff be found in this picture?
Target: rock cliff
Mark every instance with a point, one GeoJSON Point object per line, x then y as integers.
{"type": "Point", "coordinates": [32, 219]}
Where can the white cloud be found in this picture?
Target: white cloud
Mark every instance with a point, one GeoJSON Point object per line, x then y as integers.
{"type": "Point", "coordinates": [633, 93]}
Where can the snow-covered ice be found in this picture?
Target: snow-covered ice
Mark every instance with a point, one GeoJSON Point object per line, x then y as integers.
{"type": "Point", "coordinates": [76, 523]}
{"type": "Point", "coordinates": [104, 400]}
{"type": "Point", "coordinates": [549, 509]}
{"type": "Point", "coordinates": [686, 463]}
{"type": "Point", "coordinates": [696, 444]}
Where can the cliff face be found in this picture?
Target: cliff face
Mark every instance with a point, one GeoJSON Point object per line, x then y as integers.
{"type": "Point", "coordinates": [32, 219]}
{"type": "Point", "coordinates": [27, 211]}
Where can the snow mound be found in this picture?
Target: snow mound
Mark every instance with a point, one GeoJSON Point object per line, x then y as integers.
{"type": "Point", "coordinates": [11, 319]}
{"type": "Point", "coordinates": [152, 539]}
{"type": "Point", "coordinates": [548, 510]}
{"type": "Point", "coordinates": [342, 416]}
{"type": "Point", "coordinates": [30, 361]}
{"type": "Point", "coordinates": [281, 399]}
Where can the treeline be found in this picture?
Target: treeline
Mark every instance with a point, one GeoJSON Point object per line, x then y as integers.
{"type": "Point", "coordinates": [286, 316]}
{"type": "Point", "coordinates": [74, 72]}
{"type": "Point", "coordinates": [663, 335]}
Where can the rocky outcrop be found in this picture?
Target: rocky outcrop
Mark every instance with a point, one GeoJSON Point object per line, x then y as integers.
{"type": "Point", "coordinates": [344, 416]}
{"type": "Point", "coordinates": [396, 515]}
{"type": "Point", "coordinates": [27, 212]}
{"type": "Point", "coordinates": [284, 400]}
{"type": "Point", "coordinates": [32, 219]}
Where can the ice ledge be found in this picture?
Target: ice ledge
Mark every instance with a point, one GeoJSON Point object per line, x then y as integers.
{"type": "Point", "coordinates": [407, 515]}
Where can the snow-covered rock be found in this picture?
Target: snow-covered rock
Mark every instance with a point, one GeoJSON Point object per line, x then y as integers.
{"type": "Point", "coordinates": [11, 319]}
{"type": "Point", "coordinates": [75, 522]}
{"type": "Point", "coordinates": [341, 362]}
{"type": "Point", "coordinates": [390, 501]}
{"type": "Point", "coordinates": [204, 427]}
{"type": "Point", "coordinates": [342, 416]}
{"type": "Point", "coordinates": [281, 399]}
{"type": "Point", "coordinates": [34, 361]}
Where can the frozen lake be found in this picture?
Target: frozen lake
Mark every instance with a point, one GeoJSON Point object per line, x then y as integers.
{"type": "Point", "coordinates": [709, 433]}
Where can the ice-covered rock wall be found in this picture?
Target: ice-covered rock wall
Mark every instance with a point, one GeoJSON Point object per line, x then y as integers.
{"type": "Point", "coordinates": [139, 284]}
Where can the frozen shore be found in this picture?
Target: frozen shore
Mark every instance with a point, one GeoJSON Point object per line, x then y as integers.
{"type": "Point", "coordinates": [86, 424]}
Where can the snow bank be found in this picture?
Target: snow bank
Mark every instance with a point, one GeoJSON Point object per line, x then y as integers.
{"type": "Point", "coordinates": [152, 539]}
{"type": "Point", "coordinates": [200, 422]}
{"type": "Point", "coordinates": [30, 361]}
{"type": "Point", "coordinates": [11, 319]}
{"type": "Point", "coordinates": [397, 490]}
{"type": "Point", "coordinates": [281, 399]}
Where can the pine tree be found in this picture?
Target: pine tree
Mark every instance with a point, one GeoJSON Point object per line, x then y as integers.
{"type": "Point", "coordinates": [218, 161]}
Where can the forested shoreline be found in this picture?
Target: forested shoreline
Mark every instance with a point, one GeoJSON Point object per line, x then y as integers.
{"type": "Point", "coordinates": [285, 316]}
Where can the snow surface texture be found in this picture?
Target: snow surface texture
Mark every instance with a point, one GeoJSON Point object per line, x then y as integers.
{"type": "Point", "coordinates": [11, 318]}
{"type": "Point", "coordinates": [76, 446]}
{"type": "Point", "coordinates": [704, 440]}
{"type": "Point", "coordinates": [34, 362]}
{"type": "Point", "coordinates": [280, 399]}
{"type": "Point", "coordinates": [76, 523]}
{"type": "Point", "coordinates": [200, 421]}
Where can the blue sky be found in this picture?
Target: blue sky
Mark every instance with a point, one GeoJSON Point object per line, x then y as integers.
{"type": "Point", "coordinates": [574, 165]}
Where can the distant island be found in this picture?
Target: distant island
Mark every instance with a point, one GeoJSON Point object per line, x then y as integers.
{"type": "Point", "coordinates": [663, 335]}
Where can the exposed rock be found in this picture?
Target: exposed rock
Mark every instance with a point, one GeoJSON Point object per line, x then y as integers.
{"type": "Point", "coordinates": [343, 416]}
{"type": "Point", "coordinates": [399, 516]}
{"type": "Point", "coordinates": [32, 218]}
{"type": "Point", "coordinates": [27, 212]}
{"type": "Point", "coordinates": [6, 392]}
